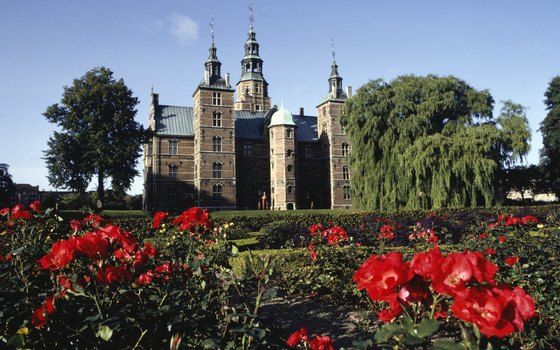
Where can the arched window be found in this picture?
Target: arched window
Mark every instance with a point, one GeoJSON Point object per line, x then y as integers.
{"type": "Point", "coordinates": [345, 149]}
{"type": "Point", "coordinates": [290, 168]}
{"type": "Point", "coordinates": [217, 192]}
{"type": "Point", "coordinates": [217, 170]}
{"type": "Point", "coordinates": [346, 192]}
{"type": "Point", "coordinates": [216, 118]}
{"type": "Point", "coordinates": [290, 189]}
{"type": "Point", "coordinates": [173, 146]}
{"type": "Point", "coordinates": [345, 172]}
{"type": "Point", "coordinates": [217, 144]}
{"type": "Point", "coordinates": [289, 153]}
{"type": "Point", "coordinates": [172, 168]}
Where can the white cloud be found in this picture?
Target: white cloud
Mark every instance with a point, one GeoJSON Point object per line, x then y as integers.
{"type": "Point", "coordinates": [183, 28]}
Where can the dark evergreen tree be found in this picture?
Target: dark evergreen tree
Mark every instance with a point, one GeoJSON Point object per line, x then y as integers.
{"type": "Point", "coordinates": [423, 142]}
{"type": "Point", "coordinates": [550, 128]}
{"type": "Point", "coordinates": [7, 186]}
{"type": "Point", "coordinates": [99, 136]}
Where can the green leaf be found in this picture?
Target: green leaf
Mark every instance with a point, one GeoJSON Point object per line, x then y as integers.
{"type": "Point", "coordinates": [93, 318]}
{"type": "Point", "coordinates": [412, 340]}
{"type": "Point", "coordinates": [387, 331]}
{"type": "Point", "coordinates": [234, 250]}
{"type": "Point", "coordinates": [17, 341]}
{"type": "Point", "coordinates": [104, 332]}
{"type": "Point", "coordinates": [362, 344]}
{"type": "Point", "coordinates": [426, 327]}
{"type": "Point", "coordinates": [447, 345]}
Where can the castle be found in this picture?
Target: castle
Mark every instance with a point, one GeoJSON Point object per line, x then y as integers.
{"type": "Point", "coordinates": [233, 150]}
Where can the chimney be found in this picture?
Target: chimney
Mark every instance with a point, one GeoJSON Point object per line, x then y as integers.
{"type": "Point", "coordinates": [348, 91]}
{"type": "Point", "coordinates": [301, 113]}
{"type": "Point", "coordinates": [155, 99]}
{"type": "Point", "coordinates": [227, 80]}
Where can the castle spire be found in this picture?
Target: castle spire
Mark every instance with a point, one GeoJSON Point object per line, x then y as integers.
{"type": "Point", "coordinates": [252, 88]}
{"type": "Point", "coordinates": [213, 65]}
{"type": "Point", "coordinates": [335, 80]}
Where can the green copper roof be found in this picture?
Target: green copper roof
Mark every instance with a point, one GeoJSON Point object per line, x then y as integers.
{"type": "Point", "coordinates": [174, 121]}
{"type": "Point", "coordinates": [282, 117]}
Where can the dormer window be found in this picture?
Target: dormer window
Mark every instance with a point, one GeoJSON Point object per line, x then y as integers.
{"type": "Point", "coordinates": [289, 133]}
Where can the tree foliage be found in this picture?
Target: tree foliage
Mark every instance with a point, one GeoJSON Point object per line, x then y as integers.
{"type": "Point", "coordinates": [550, 128]}
{"type": "Point", "coordinates": [423, 142]}
{"type": "Point", "coordinates": [7, 186]}
{"type": "Point", "coordinates": [99, 136]}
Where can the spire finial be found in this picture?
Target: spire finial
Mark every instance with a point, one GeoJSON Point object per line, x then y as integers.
{"type": "Point", "coordinates": [212, 30]}
{"type": "Point", "coordinates": [251, 13]}
{"type": "Point", "coordinates": [332, 50]}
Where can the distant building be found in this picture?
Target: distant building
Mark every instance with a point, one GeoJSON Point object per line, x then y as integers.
{"type": "Point", "coordinates": [232, 150]}
{"type": "Point", "coordinates": [26, 194]}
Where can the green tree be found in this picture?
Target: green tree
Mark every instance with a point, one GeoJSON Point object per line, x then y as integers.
{"type": "Point", "coordinates": [550, 128]}
{"type": "Point", "coordinates": [423, 142]}
{"type": "Point", "coordinates": [99, 136]}
{"type": "Point", "coordinates": [7, 186]}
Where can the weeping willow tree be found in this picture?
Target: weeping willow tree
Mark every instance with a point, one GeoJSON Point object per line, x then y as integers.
{"type": "Point", "coordinates": [430, 142]}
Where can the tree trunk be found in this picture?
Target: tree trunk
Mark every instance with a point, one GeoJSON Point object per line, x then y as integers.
{"type": "Point", "coordinates": [100, 189]}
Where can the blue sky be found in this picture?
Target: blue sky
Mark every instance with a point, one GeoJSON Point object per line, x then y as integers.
{"type": "Point", "coordinates": [508, 47]}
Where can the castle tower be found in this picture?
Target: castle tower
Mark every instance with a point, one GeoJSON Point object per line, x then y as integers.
{"type": "Point", "coordinates": [282, 132]}
{"type": "Point", "coordinates": [214, 137]}
{"type": "Point", "coordinates": [334, 141]}
{"type": "Point", "coordinates": [252, 88]}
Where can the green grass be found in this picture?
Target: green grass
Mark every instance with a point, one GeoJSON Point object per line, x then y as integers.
{"type": "Point", "coordinates": [278, 213]}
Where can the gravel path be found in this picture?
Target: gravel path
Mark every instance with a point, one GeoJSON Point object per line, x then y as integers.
{"type": "Point", "coordinates": [286, 314]}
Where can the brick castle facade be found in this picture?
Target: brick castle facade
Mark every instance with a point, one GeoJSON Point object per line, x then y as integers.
{"type": "Point", "coordinates": [233, 150]}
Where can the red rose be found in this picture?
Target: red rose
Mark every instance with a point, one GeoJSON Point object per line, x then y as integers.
{"type": "Point", "coordinates": [455, 270]}
{"type": "Point", "coordinates": [316, 228]}
{"type": "Point", "coordinates": [380, 275]}
{"type": "Point", "coordinates": [512, 260]}
{"type": "Point", "coordinates": [489, 251]}
{"type": "Point", "coordinates": [61, 254]}
{"type": "Point", "coordinates": [336, 234]}
{"type": "Point", "coordinates": [529, 219]}
{"type": "Point", "coordinates": [321, 343]}
{"type": "Point", "coordinates": [112, 274]}
{"type": "Point", "coordinates": [502, 239]}
{"type": "Point", "coordinates": [92, 245]}
{"type": "Point", "coordinates": [428, 263]}
{"type": "Point", "coordinates": [76, 225]}
{"type": "Point", "coordinates": [158, 218]}
{"type": "Point", "coordinates": [4, 211]}
{"type": "Point", "coordinates": [149, 250]}
{"type": "Point", "coordinates": [36, 206]}
{"type": "Point", "coordinates": [145, 278]}
{"type": "Point", "coordinates": [297, 337]}
{"type": "Point", "coordinates": [19, 212]}
{"type": "Point", "coordinates": [483, 270]}
{"type": "Point", "coordinates": [195, 219]}
{"type": "Point", "coordinates": [39, 318]}
{"type": "Point", "coordinates": [94, 220]}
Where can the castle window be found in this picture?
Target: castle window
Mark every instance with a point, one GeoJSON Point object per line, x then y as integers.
{"type": "Point", "coordinates": [217, 170]}
{"type": "Point", "coordinates": [217, 98]}
{"type": "Point", "coordinates": [289, 133]}
{"type": "Point", "coordinates": [150, 149]}
{"type": "Point", "coordinates": [217, 192]}
{"type": "Point", "coordinates": [257, 108]}
{"type": "Point", "coordinates": [345, 149]}
{"type": "Point", "coordinates": [173, 146]}
{"type": "Point", "coordinates": [290, 189]}
{"type": "Point", "coordinates": [217, 144]}
{"type": "Point", "coordinates": [289, 153]}
{"type": "Point", "coordinates": [346, 192]}
{"type": "Point", "coordinates": [290, 167]}
{"type": "Point", "coordinates": [217, 119]}
{"type": "Point", "coordinates": [345, 173]}
{"type": "Point", "coordinates": [308, 152]}
{"type": "Point", "coordinates": [248, 150]}
{"type": "Point", "coordinates": [172, 168]}
{"type": "Point", "coordinates": [256, 88]}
